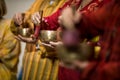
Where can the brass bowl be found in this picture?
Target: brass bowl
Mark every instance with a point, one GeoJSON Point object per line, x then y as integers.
{"type": "Point", "coordinates": [25, 32]}
{"type": "Point", "coordinates": [48, 35]}
{"type": "Point", "coordinates": [82, 52]}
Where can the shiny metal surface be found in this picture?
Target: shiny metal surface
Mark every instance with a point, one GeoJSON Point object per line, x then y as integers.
{"type": "Point", "coordinates": [48, 35]}
{"type": "Point", "coordinates": [21, 30]}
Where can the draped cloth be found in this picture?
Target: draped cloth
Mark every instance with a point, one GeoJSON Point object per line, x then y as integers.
{"type": "Point", "coordinates": [105, 23]}
{"type": "Point", "coordinates": [9, 52]}
{"type": "Point", "coordinates": [34, 66]}
{"type": "Point", "coordinates": [89, 7]}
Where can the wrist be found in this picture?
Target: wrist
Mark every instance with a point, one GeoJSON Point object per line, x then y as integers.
{"type": "Point", "coordinates": [81, 64]}
{"type": "Point", "coordinates": [84, 65]}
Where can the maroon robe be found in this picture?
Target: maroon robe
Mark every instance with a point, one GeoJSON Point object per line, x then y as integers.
{"type": "Point", "coordinates": [104, 22]}
{"type": "Point", "coordinates": [51, 23]}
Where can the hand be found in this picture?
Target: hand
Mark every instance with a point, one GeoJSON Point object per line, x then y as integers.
{"type": "Point", "coordinates": [18, 18]}
{"type": "Point", "coordinates": [62, 64]}
{"type": "Point", "coordinates": [69, 18]}
{"type": "Point", "coordinates": [37, 17]}
{"type": "Point", "coordinates": [80, 64]}
{"type": "Point", "coordinates": [55, 44]}
{"type": "Point", "coordinates": [29, 40]}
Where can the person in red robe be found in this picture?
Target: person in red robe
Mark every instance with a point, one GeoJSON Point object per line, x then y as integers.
{"type": "Point", "coordinates": [106, 23]}
{"type": "Point", "coordinates": [51, 23]}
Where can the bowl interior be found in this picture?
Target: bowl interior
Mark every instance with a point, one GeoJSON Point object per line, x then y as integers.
{"type": "Point", "coordinates": [48, 35]}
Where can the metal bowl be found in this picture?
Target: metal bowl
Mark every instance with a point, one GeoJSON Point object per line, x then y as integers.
{"type": "Point", "coordinates": [82, 52]}
{"type": "Point", "coordinates": [48, 35]}
{"type": "Point", "coordinates": [23, 31]}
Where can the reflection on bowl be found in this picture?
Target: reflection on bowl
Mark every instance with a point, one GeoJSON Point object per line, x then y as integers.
{"type": "Point", "coordinates": [48, 35]}
{"type": "Point", "coordinates": [25, 32]}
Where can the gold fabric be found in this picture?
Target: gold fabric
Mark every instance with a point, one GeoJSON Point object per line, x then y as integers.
{"type": "Point", "coordinates": [36, 67]}
{"type": "Point", "coordinates": [9, 52]}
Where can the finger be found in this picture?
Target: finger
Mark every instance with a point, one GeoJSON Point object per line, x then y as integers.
{"type": "Point", "coordinates": [38, 15]}
{"type": "Point", "coordinates": [47, 45]}
{"type": "Point", "coordinates": [55, 43]}
{"type": "Point", "coordinates": [16, 37]}
{"type": "Point", "coordinates": [18, 19]}
{"type": "Point", "coordinates": [77, 17]}
{"type": "Point", "coordinates": [60, 19]}
{"type": "Point", "coordinates": [35, 19]}
{"type": "Point", "coordinates": [15, 19]}
{"type": "Point", "coordinates": [23, 39]}
{"type": "Point", "coordinates": [30, 40]}
{"type": "Point", "coordinates": [32, 18]}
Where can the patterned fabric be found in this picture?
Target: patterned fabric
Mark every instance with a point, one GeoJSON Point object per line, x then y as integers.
{"type": "Point", "coordinates": [108, 26]}
{"type": "Point", "coordinates": [9, 52]}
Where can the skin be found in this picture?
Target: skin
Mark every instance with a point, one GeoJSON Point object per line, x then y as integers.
{"type": "Point", "coordinates": [68, 23]}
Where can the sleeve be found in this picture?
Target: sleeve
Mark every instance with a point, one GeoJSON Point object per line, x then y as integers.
{"type": "Point", "coordinates": [102, 70]}
{"type": "Point", "coordinates": [35, 7]}
{"type": "Point", "coordinates": [9, 53]}
{"type": "Point", "coordinates": [95, 24]}
{"type": "Point", "coordinates": [51, 22]}
{"type": "Point", "coordinates": [9, 48]}
{"type": "Point", "coordinates": [92, 24]}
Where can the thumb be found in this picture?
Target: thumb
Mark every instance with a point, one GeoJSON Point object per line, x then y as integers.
{"type": "Point", "coordinates": [55, 43]}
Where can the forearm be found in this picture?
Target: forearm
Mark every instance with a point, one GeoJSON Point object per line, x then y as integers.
{"type": "Point", "coordinates": [48, 23]}
{"type": "Point", "coordinates": [51, 22]}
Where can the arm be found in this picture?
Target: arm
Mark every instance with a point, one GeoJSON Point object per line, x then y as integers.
{"type": "Point", "coordinates": [51, 22]}
{"type": "Point", "coordinates": [9, 48]}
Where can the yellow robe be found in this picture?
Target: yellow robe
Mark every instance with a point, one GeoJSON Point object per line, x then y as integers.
{"type": "Point", "coordinates": [35, 67]}
{"type": "Point", "coordinates": [9, 52]}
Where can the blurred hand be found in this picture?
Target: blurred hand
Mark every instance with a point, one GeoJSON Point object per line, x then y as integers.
{"type": "Point", "coordinates": [24, 39]}
{"type": "Point", "coordinates": [18, 18]}
{"type": "Point", "coordinates": [62, 64]}
{"type": "Point", "coordinates": [55, 44]}
{"type": "Point", "coordinates": [36, 18]}
{"type": "Point", "coordinates": [69, 18]}
{"type": "Point", "coordinates": [80, 64]}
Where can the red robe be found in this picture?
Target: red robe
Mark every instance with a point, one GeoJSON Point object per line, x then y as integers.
{"type": "Point", "coordinates": [51, 23]}
{"type": "Point", "coordinates": [104, 22]}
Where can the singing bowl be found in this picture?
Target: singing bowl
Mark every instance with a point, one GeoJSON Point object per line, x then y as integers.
{"type": "Point", "coordinates": [83, 53]}
{"type": "Point", "coordinates": [25, 32]}
{"type": "Point", "coordinates": [48, 35]}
